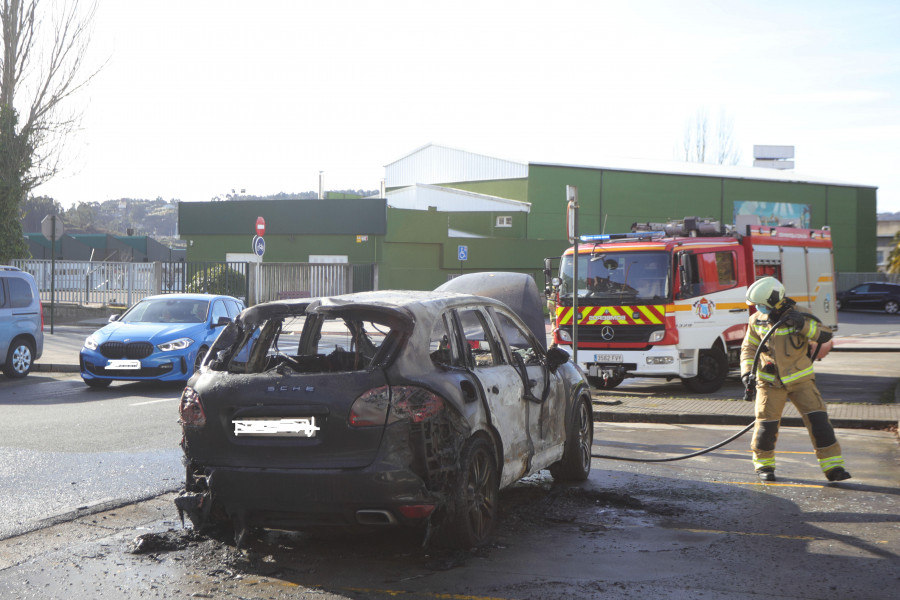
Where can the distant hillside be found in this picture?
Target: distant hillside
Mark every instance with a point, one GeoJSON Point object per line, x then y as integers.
{"type": "Point", "coordinates": [129, 216]}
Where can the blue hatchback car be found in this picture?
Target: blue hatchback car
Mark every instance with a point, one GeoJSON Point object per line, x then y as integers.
{"type": "Point", "coordinates": [161, 338]}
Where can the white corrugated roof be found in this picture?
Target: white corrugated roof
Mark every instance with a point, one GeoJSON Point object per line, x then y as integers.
{"type": "Point", "coordinates": [421, 197]}
{"type": "Point", "coordinates": [701, 170]}
{"type": "Point", "coordinates": [433, 163]}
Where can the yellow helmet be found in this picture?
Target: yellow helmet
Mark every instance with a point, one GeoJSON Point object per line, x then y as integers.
{"type": "Point", "coordinates": [767, 291]}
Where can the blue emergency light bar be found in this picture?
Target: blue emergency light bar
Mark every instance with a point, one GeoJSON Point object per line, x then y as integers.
{"type": "Point", "coordinates": [605, 237]}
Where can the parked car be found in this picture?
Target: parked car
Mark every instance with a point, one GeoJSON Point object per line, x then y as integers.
{"type": "Point", "coordinates": [380, 409]}
{"type": "Point", "coordinates": [872, 295]}
{"type": "Point", "coordinates": [162, 338]}
{"type": "Point", "coordinates": [21, 322]}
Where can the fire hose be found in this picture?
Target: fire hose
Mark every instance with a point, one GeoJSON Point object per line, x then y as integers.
{"type": "Point", "coordinates": [749, 389]}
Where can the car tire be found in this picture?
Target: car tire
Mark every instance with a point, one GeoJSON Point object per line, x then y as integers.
{"type": "Point", "coordinates": [711, 372]}
{"type": "Point", "coordinates": [605, 384]}
{"type": "Point", "coordinates": [97, 383]}
{"type": "Point", "coordinates": [892, 307]}
{"type": "Point", "coordinates": [19, 359]}
{"type": "Point", "coordinates": [837, 304]}
{"type": "Point", "coordinates": [472, 512]}
{"type": "Point", "coordinates": [575, 465]}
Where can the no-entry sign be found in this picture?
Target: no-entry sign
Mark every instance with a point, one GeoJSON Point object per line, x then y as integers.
{"type": "Point", "coordinates": [260, 226]}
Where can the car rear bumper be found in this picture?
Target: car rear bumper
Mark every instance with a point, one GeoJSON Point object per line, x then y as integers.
{"type": "Point", "coordinates": [307, 498]}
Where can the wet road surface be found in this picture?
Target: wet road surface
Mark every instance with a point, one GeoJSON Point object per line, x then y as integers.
{"type": "Point", "coordinates": [701, 528]}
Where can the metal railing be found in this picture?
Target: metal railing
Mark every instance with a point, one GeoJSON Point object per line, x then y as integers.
{"type": "Point", "coordinates": [124, 283]}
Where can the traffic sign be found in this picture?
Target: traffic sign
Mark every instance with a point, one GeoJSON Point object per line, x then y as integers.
{"type": "Point", "coordinates": [259, 245]}
{"type": "Point", "coordinates": [462, 252]}
{"type": "Point", "coordinates": [50, 230]}
{"type": "Point", "coordinates": [260, 226]}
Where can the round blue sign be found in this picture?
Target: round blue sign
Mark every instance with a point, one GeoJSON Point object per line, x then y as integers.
{"type": "Point", "coordinates": [259, 245]}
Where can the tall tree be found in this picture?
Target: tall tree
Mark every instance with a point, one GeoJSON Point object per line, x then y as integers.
{"type": "Point", "coordinates": [44, 46]}
{"type": "Point", "coordinates": [707, 142]}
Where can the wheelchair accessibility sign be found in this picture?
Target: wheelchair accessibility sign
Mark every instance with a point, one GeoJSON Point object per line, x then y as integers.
{"type": "Point", "coordinates": [462, 252]}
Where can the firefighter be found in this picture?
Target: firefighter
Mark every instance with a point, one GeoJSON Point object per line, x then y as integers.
{"type": "Point", "coordinates": [785, 371]}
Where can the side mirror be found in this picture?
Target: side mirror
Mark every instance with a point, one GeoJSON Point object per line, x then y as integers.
{"type": "Point", "coordinates": [222, 321]}
{"type": "Point", "coordinates": [556, 356]}
{"type": "Point", "coordinates": [113, 318]}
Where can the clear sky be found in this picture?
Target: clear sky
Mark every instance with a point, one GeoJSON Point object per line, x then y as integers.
{"type": "Point", "coordinates": [201, 97]}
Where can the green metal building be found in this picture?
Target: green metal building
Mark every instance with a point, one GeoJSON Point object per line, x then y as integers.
{"type": "Point", "coordinates": [447, 211]}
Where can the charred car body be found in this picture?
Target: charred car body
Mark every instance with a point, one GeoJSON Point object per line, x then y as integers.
{"type": "Point", "coordinates": [378, 409]}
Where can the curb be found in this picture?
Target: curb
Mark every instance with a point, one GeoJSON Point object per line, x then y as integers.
{"type": "Point", "coordinates": [737, 420]}
{"type": "Point", "coordinates": [54, 368]}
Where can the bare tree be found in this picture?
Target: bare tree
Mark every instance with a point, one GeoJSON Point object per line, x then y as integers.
{"type": "Point", "coordinates": [44, 47]}
{"type": "Point", "coordinates": [707, 143]}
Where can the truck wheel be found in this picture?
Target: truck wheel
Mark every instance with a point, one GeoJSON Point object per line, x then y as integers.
{"type": "Point", "coordinates": [891, 307]}
{"type": "Point", "coordinates": [575, 465]}
{"type": "Point", "coordinates": [605, 384]}
{"type": "Point", "coordinates": [711, 372]}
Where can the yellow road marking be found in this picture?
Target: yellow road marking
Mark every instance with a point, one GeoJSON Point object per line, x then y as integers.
{"type": "Point", "coordinates": [774, 535]}
{"type": "Point", "coordinates": [806, 485]}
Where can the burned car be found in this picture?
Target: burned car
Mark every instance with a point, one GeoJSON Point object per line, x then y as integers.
{"type": "Point", "coordinates": [377, 409]}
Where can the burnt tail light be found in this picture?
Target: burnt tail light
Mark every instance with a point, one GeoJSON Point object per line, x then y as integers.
{"type": "Point", "coordinates": [377, 407]}
{"type": "Point", "coordinates": [191, 410]}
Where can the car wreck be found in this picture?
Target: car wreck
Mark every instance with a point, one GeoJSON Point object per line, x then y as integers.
{"type": "Point", "coordinates": [381, 409]}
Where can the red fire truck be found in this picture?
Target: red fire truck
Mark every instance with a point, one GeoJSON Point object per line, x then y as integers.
{"type": "Point", "coordinates": [668, 299]}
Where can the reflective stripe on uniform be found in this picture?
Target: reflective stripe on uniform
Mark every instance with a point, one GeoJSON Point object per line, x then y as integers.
{"type": "Point", "coordinates": [759, 463]}
{"type": "Point", "coordinates": [798, 375]}
{"type": "Point", "coordinates": [813, 329]}
{"type": "Point", "coordinates": [831, 462]}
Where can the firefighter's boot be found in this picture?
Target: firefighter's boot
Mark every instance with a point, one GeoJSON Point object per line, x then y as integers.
{"type": "Point", "coordinates": [768, 473]}
{"type": "Point", "coordinates": [837, 474]}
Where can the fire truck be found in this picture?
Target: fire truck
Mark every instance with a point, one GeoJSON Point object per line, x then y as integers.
{"type": "Point", "coordinates": [669, 299]}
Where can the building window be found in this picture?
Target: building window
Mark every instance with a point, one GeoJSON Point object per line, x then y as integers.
{"type": "Point", "coordinates": [504, 221]}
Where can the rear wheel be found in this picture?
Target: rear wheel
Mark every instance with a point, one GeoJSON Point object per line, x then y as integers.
{"type": "Point", "coordinates": [892, 307]}
{"type": "Point", "coordinates": [19, 359]}
{"type": "Point", "coordinates": [575, 465]}
{"type": "Point", "coordinates": [712, 368]}
{"type": "Point", "coordinates": [473, 505]}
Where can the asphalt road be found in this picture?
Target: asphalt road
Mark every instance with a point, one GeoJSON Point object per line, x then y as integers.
{"type": "Point", "coordinates": [700, 528]}
{"type": "Point", "coordinates": [66, 448]}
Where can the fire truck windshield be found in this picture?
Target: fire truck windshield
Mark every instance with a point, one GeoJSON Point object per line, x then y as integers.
{"type": "Point", "coordinates": [635, 277]}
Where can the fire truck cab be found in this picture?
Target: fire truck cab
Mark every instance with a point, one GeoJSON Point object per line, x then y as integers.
{"type": "Point", "coordinates": [669, 299]}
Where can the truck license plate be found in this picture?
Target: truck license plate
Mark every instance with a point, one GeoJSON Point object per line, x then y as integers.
{"type": "Point", "coordinates": [608, 358]}
{"type": "Point", "coordinates": [303, 427]}
{"type": "Point", "coordinates": [124, 364]}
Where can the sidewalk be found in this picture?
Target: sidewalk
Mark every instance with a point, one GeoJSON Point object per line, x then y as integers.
{"type": "Point", "coordinates": [860, 381]}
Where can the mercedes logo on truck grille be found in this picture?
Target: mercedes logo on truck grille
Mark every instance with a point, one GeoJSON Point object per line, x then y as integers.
{"type": "Point", "coordinates": [607, 333]}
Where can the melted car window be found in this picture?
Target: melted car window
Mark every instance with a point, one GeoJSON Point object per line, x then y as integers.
{"type": "Point", "coordinates": [519, 341]}
{"type": "Point", "coordinates": [309, 344]}
{"type": "Point", "coordinates": [481, 347]}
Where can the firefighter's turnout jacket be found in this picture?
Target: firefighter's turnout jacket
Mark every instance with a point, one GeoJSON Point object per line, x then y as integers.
{"type": "Point", "coordinates": [785, 359]}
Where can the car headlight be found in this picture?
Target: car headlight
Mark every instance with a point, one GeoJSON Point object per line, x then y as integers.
{"type": "Point", "coordinates": [657, 336]}
{"type": "Point", "coordinates": [90, 343]}
{"type": "Point", "coordinates": [179, 344]}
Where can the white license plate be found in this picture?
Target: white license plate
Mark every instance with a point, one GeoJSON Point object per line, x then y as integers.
{"type": "Point", "coordinates": [123, 364]}
{"type": "Point", "coordinates": [608, 358]}
{"type": "Point", "coordinates": [305, 427]}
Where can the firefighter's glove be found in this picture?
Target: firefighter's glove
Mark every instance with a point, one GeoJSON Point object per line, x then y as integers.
{"type": "Point", "coordinates": [795, 320]}
{"type": "Point", "coordinates": [749, 387]}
